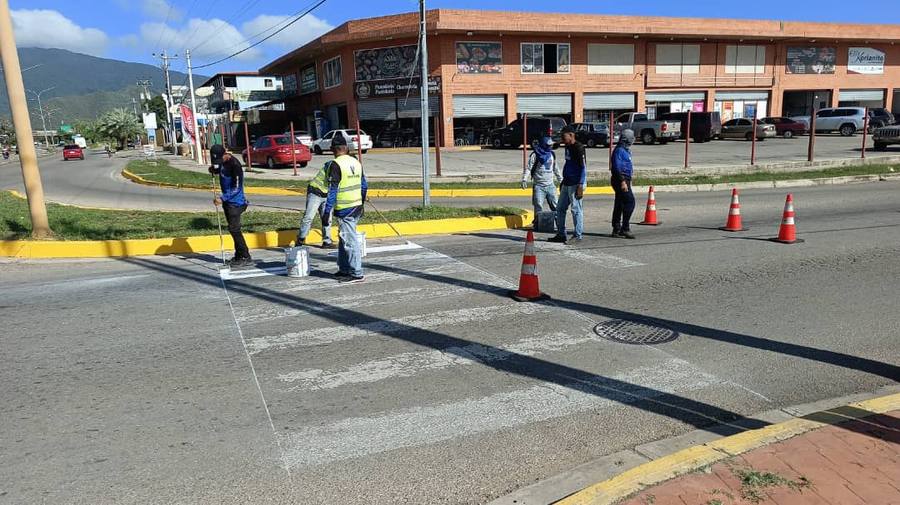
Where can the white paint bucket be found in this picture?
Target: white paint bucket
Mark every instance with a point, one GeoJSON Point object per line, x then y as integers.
{"type": "Point", "coordinates": [296, 261]}
{"type": "Point", "coordinates": [361, 241]}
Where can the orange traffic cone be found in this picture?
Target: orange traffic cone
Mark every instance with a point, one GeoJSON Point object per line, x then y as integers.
{"type": "Point", "coordinates": [787, 234]}
{"type": "Point", "coordinates": [650, 213]}
{"type": "Point", "coordinates": [733, 223]}
{"type": "Point", "coordinates": [529, 286]}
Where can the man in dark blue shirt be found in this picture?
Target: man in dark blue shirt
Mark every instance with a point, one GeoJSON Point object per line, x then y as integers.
{"type": "Point", "coordinates": [232, 200]}
{"type": "Point", "coordinates": [622, 170]}
{"type": "Point", "coordinates": [571, 190]}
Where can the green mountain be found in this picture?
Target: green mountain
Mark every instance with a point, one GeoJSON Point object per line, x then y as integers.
{"type": "Point", "coordinates": [85, 86]}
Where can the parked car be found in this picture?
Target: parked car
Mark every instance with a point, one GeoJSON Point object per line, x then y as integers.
{"type": "Point", "coordinates": [538, 127]}
{"type": "Point", "coordinates": [886, 135]}
{"type": "Point", "coordinates": [71, 152]}
{"type": "Point", "coordinates": [593, 134]}
{"type": "Point", "coordinates": [786, 127]}
{"type": "Point", "coordinates": [649, 131]}
{"type": "Point", "coordinates": [705, 126]}
{"type": "Point", "coordinates": [324, 143]}
{"type": "Point", "coordinates": [879, 116]}
{"type": "Point", "coordinates": [743, 129]}
{"type": "Point", "coordinates": [846, 120]}
{"type": "Point", "coordinates": [275, 150]}
{"type": "Point", "coordinates": [302, 137]}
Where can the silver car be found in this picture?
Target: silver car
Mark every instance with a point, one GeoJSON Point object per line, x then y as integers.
{"type": "Point", "coordinates": [743, 128]}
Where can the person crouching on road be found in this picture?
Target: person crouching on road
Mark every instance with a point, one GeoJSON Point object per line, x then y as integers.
{"type": "Point", "coordinates": [316, 195]}
{"type": "Point", "coordinates": [571, 191]}
{"type": "Point", "coordinates": [232, 200]}
{"type": "Point", "coordinates": [347, 189]}
{"type": "Point", "coordinates": [622, 170]}
{"type": "Point", "coordinates": [544, 172]}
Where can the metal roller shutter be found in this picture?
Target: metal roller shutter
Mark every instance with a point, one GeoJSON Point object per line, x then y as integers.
{"type": "Point", "coordinates": [378, 109]}
{"type": "Point", "coordinates": [861, 95]}
{"type": "Point", "coordinates": [544, 104]}
{"type": "Point", "coordinates": [677, 96]}
{"type": "Point", "coordinates": [608, 101]}
{"type": "Point", "coordinates": [479, 106]}
{"type": "Point", "coordinates": [412, 107]}
{"type": "Point", "coordinates": [753, 96]}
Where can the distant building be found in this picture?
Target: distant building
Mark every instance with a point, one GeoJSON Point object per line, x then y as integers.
{"type": "Point", "coordinates": [238, 91]}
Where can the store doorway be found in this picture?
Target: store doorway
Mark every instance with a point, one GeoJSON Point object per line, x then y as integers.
{"type": "Point", "coordinates": [802, 103]}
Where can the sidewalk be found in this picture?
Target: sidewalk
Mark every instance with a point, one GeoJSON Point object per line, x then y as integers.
{"type": "Point", "coordinates": [857, 462]}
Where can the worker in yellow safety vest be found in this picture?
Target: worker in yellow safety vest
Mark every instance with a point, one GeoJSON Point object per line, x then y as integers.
{"type": "Point", "coordinates": [316, 196]}
{"type": "Point", "coordinates": [347, 188]}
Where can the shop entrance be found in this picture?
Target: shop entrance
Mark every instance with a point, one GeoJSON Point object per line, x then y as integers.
{"type": "Point", "coordinates": [741, 104]}
{"type": "Point", "coordinates": [474, 116]}
{"type": "Point", "coordinates": [599, 106]}
{"type": "Point", "coordinates": [395, 122]}
{"type": "Point", "coordinates": [802, 103]}
{"type": "Point", "coordinates": [659, 103]}
{"type": "Point", "coordinates": [861, 98]}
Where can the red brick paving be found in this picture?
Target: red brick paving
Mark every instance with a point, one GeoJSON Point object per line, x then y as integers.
{"type": "Point", "coordinates": [855, 463]}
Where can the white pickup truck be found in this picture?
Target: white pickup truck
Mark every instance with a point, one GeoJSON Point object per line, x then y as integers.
{"type": "Point", "coordinates": [647, 130]}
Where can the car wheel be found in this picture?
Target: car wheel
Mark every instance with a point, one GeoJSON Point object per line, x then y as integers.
{"type": "Point", "coordinates": [880, 146]}
{"type": "Point", "coordinates": [847, 130]}
{"type": "Point", "coordinates": [364, 151]}
{"type": "Point", "coordinates": [270, 163]}
{"type": "Point", "coordinates": [591, 143]}
{"type": "Point", "coordinates": [497, 143]}
{"type": "Point", "coordinates": [303, 164]}
{"type": "Point", "coordinates": [648, 137]}
{"type": "Point", "coordinates": [317, 149]}
{"type": "Point", "coordinates": [748, 136]}
{"type": "Point", "coordinates": [81, 157]}
{"type": "Point", "coordinates": [787, 134]}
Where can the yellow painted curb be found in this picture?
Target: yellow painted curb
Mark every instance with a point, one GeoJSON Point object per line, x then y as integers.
{"type": "Point", "coordinates": [27, 249]}
{"type": "Point", "coordinates": [699, 456]}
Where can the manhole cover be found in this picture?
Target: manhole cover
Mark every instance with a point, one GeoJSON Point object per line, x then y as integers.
{"type": "Point", "coordinates": [634, 332]}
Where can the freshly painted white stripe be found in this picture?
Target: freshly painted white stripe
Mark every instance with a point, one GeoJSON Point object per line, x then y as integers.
{"type": "Point", "coordinates": [409, 364]}
{"type": "Point", "coordinates": [373, 276]}
{"type": "Point", "coordinates": [387, 248]}
{"type": "Point", "coordinates": [362, 436]}
{"type": "Point", "coordinates": [598, 258]}
{"type": "Point", "coordinates": [231, 275]}
{"type": "Point", "coordinates": [330, 335]}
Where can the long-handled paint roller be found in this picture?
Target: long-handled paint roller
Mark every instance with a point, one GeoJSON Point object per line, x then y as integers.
{"type": "Point", "coordinates": [218, 219]}
{"type": "Point", "coordinates": [383, 218]}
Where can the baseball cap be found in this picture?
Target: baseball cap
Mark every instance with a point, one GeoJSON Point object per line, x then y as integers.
{"type": "Point", "coordinates": [339, 140]}
{"type": "Point", "coordinates": [215, 153]}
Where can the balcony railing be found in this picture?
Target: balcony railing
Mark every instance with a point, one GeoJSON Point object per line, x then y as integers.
{"type": "Point", "coordinates": [703, 81]}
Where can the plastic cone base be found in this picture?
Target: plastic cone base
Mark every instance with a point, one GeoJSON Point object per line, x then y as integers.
{"type": "Point", "coordinates": [515, 296]}
{"type": "Point", "coordinates": [795, 241]}
{"type": "Point", "coordinates": [725, 228]}
{"type": "Point", "coordinates": [650, 224]}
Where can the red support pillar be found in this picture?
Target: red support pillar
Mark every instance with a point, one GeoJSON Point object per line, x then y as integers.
{"type": "Point", "coordinates": [438, 138]}
{"type": "Point", "coordinates": [524, 141]}
{"type": "Point", "coordinates": [293, 150]}
{"type": "Point", "coordinates": [358, 141]}
{"type": "Point", "coordinates": [865, 132]}
{"type": "Point", "coordinates": [811, 150]}
{"type": "Point", "coordinates": [247, 141]}
{"type": "Point", "coordinates": [753, 142]}
{"type": "Point", "coordinates": [612, 135]}
{"type": "Point", "coordinates": [687, 142]}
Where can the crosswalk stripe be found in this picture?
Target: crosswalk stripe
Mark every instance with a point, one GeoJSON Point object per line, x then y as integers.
{"type": "Point", "coordinates": [593, 257]}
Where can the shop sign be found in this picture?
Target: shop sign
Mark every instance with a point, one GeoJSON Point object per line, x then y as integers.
{"type": "Point", "coordinates": [865, 60]}
{"type": "Point", "coordinates": [395, 88]}
{"type": "Point", "coordinates": [479, 57]}
{"type": "Point", "coordinates": [308, 80]}
{"type": "Point", "coordinates": [386, 63]}
{"type": "Point", "coordinates": [290, 82]}
{"type": "Point", "coordinates": [811, 60]}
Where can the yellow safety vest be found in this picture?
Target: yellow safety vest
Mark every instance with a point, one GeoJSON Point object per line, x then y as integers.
{"type": "Point", "coordinates": [319, 182]}
{"type": "Point", "coordinates": [350, 188]}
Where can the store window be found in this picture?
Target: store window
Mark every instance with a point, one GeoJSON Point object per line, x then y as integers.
{"type": "Point", "coordinates": [268, 83]}
{"type": "Point", "coordinates": [610, 58]}
{"type": "Point", "coordinates": [677, 58]}
{"type": "Point", "coordinates": [332, 70]}
{"type": "Point", "coordinates": [745, 59]}
{"type": "Point", "coordinates": [229, 81]}
{"type": "Point", "coordinates": [540, 58]}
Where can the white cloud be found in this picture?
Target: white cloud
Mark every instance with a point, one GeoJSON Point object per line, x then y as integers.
{"type": "Point", "coordinates": [207, 39]}
{"type": "Point", "coordinates": [50, 29]}
{"type": "Point", "coordinates": [160, 10]}
{"type": "Point", "coordinates": [307, 28]}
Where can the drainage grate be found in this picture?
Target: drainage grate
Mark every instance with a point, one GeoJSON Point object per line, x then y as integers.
{"type": "Point", "coordinates": [635, 332]}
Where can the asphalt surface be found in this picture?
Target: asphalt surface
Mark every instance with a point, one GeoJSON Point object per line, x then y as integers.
{"type": "Point", "coordinates": [150, 380]}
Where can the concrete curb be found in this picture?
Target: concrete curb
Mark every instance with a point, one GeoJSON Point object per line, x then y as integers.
{"type": "Point", "coordinates": [28, 249]}
{"type": "Point", "coordinates": [787, 183]}
{"type": "Point", "coordinates": [628, 472]}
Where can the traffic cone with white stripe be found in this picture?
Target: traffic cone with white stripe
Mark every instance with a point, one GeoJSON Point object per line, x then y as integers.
{"type": "Point", "coordinates": [650, 213]}
{"type": "Point", "coordinates": [787, 234]}
{"type": "Point", "coordinates": [734, 223]}
{"type": "Point", "coordinates": [529, 285]}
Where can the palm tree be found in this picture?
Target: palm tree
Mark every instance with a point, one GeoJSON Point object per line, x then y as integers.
{"type": "Point", "coordinates": [119, 124]}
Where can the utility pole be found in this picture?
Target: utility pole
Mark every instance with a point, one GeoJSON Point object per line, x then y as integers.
{"type": "Point", "coordinates": [41, 111]}
{"type": "Point", "coordinates": [170, 101]}
{"type": "Point", "coordinates": [34, 191]}
{"type": "Point", "coordinates": [187, 56]}
{"type": "Point", "coordinates": [145, 92]}
{"type": "Point", "coordinates": [423, 51]}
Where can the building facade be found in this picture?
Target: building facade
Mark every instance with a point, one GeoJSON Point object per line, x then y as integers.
{"type": "Point", "coordinates": [487, 67]}
{"type": "Point", "coordinates": [237, 91]}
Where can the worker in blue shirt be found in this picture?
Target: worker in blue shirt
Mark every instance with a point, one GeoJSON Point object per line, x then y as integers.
{"type": "Point", "coordinates": [622, 170]}
{"type": "Point", "coordinates": [232, 200]}
{"type": "Point", "coordinates": [347, 189]}
{"type": "Point", "coordinates": [571, 190]}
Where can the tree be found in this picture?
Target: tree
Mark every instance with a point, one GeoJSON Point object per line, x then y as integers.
{"type": "Point", "coordinates": [158, 105]}
{"type": "Point", "coordinates": [119, 124]}
{"type": "Point", "coordinates": [7, 132]}
{"type": "Point", "coordinates": [90, 130]}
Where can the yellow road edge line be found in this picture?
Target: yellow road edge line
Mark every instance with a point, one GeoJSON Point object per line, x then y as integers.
{"type": "Point", "coordinates": [27, 249]}
{"type": "Point", "coordinates": [693, 458]}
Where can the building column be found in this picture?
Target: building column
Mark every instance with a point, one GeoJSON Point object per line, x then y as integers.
{"type": "Point", "coordinates": [889, 99]}
{"type": "Point", "coordinates": [835, 96]}
{"type": "Point", "coordinates": [578, 107]}
{"type": "Point", "coordinates": [511, 106]}
{"type": "Point", "coordinates": [446, 118]}
{"type": "Point", "coordinates": [710, 100]}
{"type": "Point", "coordinates": [640, 101]}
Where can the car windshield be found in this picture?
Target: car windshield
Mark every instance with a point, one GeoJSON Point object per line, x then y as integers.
{"type": "Point", "coordinates": [352, 133]}
{"type": "Point", "coordinates": [71, 146]}
{"type": "Point", "coordinates": [282, 141]}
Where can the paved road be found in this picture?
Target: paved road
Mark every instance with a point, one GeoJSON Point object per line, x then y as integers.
{"type": "Point", "coordinates": [149, 381]}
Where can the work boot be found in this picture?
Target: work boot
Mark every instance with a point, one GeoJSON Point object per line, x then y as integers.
{"type": "Point", "coordinates": [626, 234]}
{"type": "Point", "coordinates": [240, 263]}
{"type": "Point", "coordinates": [329, 245]}
{"type": "Point", "coordinates": [559, 239]}
{"type": "Point", "coordinates": [351, 279]}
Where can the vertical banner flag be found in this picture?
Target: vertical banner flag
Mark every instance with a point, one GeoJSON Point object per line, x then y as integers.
{"type": "Point", "coordinates": [187, 123]}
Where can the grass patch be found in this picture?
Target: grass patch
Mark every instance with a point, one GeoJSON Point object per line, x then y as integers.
{"type": "Point", "coordinates": [160, 171]}
{"type": "Point", "coordinates": [754, 483]}
{"type": "Point", "coordinates": [73, 223]}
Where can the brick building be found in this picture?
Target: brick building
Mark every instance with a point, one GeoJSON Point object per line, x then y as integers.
{"type": "Point", "coordinates": [485, 67]}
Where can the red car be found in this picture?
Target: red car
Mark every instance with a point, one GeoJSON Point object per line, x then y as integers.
{"type": "Point", "coordinates": [785, 127]}
{"type": "Point", "coordinates": [275, 150]}
{"type": "Point", "coordinates": [73, 152]}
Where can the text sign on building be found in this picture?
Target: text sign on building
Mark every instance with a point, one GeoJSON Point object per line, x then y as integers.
{"type": "Point", "coordinates": [811, 60]}
{"type": "Point", "coordinates": [479, 57]}
{"type": "Point", "coordinates": [865, 60]}
{"type": "Point", "coordinates": [290, 82]}
{"type": "Point", "coordinates": [395, 88]}
{"type": "Point", "coordinates": [149, 120]}
{"type": "Point", "coordinates": [386, 63]}
{"type": "Point", "coordinates": [308, 80]}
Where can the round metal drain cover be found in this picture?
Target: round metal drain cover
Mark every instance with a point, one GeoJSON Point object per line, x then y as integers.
{"type": "Point", "coordinates": [634, 332]}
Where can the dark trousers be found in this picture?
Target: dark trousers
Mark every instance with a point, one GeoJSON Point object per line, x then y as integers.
{"type": "Point", "coordinates": [233, 218]}
{"type": "Point", "coordinates": [623, 207]}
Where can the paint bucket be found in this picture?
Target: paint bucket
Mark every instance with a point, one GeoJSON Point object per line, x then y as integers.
{"type": "Point", "coordinates": [361, 242]}
{"type": "Point", "coordinates": [296, 261]}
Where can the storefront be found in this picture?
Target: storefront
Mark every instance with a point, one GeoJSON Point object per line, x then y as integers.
{"type": "Point", "coordinates": [802, 103]}
{"type": "Point", "coordinates": [861, 98]}
{"type": "Point", "coordinates": [741, 104]}
{"type": "Point", "coordinates": [474, 116]}
{"type": "Point", "coordinates": [556, 105]}
{"type": "Point", "coordinates": [659, 103]}
{"type": "Point", "coordinates": [599, 106]}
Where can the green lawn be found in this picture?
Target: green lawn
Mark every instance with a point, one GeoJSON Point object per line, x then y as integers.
{"type": "Point", "coordinates": [72, 223]}
{"type": "Point", "coordinates": [161, 171]}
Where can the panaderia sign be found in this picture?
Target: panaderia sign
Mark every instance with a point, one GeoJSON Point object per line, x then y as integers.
{"type": "Point", "coordinates": [865, 60]}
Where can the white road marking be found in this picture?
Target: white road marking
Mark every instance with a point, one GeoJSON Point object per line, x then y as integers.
{"type": "Point", "coordinates": [409, 364]}
{"type": "Point", "coordinates": [387, 248]}
{"type": "Point", "coordinates": [230, 275]}
{"type": "Point", "coordinates": [330, 335]}
{"type": "Point", "coordinates": [362, 436]}
{"type": "Point", "coordinates": [592, 257]}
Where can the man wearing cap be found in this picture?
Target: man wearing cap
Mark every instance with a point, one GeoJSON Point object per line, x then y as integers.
{"type": "Point", "coordinates": [543, 170]}
{"type": "Point", "coordinates": [316, 195]}
{"type": "Point", "coordinates": [621, 169]}
{"type": "Point", "coordinates": [232, 200]}
{"type": "Point", "coordinates": [571, 190]}
{"type": "Point", "coordinates": [347, 188]}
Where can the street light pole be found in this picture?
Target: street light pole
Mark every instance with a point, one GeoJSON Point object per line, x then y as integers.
{"type": "Point", "coordinates": [41, 111]}
{"type": "Point", "coordinates": [423, 92]}
{"type": "Point", "coordinates": [187, 55]}
{"type": "Point", "coordinates": [170, 100]}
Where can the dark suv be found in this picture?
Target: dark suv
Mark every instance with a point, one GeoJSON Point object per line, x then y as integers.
{"type": "Point", "coordinates": [704, 125]}
{"type": "Point", "coordinates": [538, 127]}
{"type": "Point", "coordinates": [879, 116]}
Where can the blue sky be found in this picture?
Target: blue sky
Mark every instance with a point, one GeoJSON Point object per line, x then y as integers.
{"type": "Point", "coordinates": [133, 29]}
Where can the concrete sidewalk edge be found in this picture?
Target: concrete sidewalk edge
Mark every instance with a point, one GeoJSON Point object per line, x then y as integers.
{"type": "Point", "coordinates": [612, 478]}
